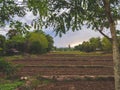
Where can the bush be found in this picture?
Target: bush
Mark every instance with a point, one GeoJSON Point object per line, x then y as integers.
{"type": "Point", "coordinates": [37, 43]}
{"type": "Point", "coordinates": [35, 47]}
{"type": "Point", "coordinates": [1, 51]}
{"type": "Point", "coordinates": [6, 67]}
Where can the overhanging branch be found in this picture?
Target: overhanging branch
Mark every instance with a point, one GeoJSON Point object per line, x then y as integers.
{"type": "Point", "coordinates": [101, 31]}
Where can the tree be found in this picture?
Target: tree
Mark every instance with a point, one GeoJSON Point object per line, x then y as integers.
{"type": "Point", "coordinates": [106, 45]}
{"type": "Point", "coordinates": [2, 44]}
{"type": "Point", "coordinates": [98, 14]}
{"type": "Point", "coordinates": [87, 47]}
{"type": "Point", "coordinates": [15, 45]}
{"type": "Point", "coordinates": [50, 42]}
{"type": "Point", "coordinates": [11, 33]}
{"type": "Point", "coordinates": [79, 47]}
{"type": "Point", "coordinates": [17, 28]}
{"type": "Point", "coordinates": [96, 43]}
{"type": "Point", "coordinates": [37, 42]}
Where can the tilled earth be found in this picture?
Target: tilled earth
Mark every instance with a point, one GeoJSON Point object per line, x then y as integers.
{"type": "Point", "coordinates": [61, 65]}
{"type": "Point", "coordinates": [80, 85]}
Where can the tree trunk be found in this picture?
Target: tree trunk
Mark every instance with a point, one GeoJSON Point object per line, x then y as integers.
{"type": "Point", "coordinates": [116, 57]}
{"type": "Point", "coordinates": [116, 52]}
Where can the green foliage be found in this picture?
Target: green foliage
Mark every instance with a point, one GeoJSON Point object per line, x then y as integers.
{"type": "Point", "coordinates": [37, 42]}
{"type": "Point", "coordinates": [16, 42]}
{"type": "Point", "coordinates": [6, 67]}
{"type": "Point", "coordinates": [50, 42]}
{"type": "Point", "coordinates": [40, 7]}
{"type": "Point", "coordinates": [11, 33]}
{"type": "Point", "coordinates": [33, 42]}
{"type": "Point", "coordinates": [1, 51]}
{"type": "Point", "coordinates": [8, 9]}
{"type": "Point", "coordinates": [65, 15]}
{"type": "Point", "coordinates": [21, 28]}
{"type": "Point", "coordinates": [35, 47]}
{"type": "Point", "coordinates": [40, 38]}
{"type": "Point", "coordinates": [87, 47]}
{"type": "Point", "coordinates": [10, 86]}
{"type": "Point", "coordinates": [95, 44]}
{"type": "Point", "coordinates": [2, 41]}
{"type": "Point", "coordinates": [106, 45]}
{"type": "Point", "coordinates": [2, 44]}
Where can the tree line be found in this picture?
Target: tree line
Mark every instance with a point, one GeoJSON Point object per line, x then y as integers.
{"type": "Point", "coordinates": [95, 44]}
{"type": "Point", "coordinates": [36, 42]}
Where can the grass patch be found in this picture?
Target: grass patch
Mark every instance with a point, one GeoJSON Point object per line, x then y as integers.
{"type": "Point", "coordinates": [34, 82]}
{"type": "Point", "coordinates": [81, 53]}
{"type": "Point", "coordinates": [8, 85]}
{"type": "Point", "coordinates": [15, 57]}
{"type": "Point", "coordinates": [68, 52]}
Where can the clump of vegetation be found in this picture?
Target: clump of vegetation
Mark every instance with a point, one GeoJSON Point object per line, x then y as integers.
{"type": "Point", "coordinates": [33, 82]}
{"type": "Point", "coordinates": [95, 44]}
{"type": "Point", "coordinates": [37, 42]}
{"type": "Point", "coordinates": [10, 85]}
{"type": "Point", "coordinates": [7, 68]}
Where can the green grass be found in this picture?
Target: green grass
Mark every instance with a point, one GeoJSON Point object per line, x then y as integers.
{"type": "Point", "coordinates": [68, 52]}
{"type": "Point", "coordinates": [76, 53]}
{"type": "Point", "coordinates": [19, 57]}
{"type": "Point", "coordinates": [81, 53]}
{"type": "Point", "coordinates": [14, 57]}
{"type": "Point", "coordinates": [10, 85]}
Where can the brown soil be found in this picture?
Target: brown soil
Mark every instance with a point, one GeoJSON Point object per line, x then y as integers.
{"type": "Point", "coordinates": [63, 62]}
{"type": "Point", "coordinates": [79, 85]}
{"type": "Point", "coordinates": [54, 64]}
{"type": "Point", "coordinates": [31, 70]}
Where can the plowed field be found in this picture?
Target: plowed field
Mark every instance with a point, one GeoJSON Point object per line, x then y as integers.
{"type": "Point", "coordinates": [72, 65]}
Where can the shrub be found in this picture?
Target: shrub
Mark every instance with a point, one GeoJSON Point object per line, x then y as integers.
{"type": "Point", "coordinates": [6, 67]}
{"type": "Point", "coordinates": [35, 47]}
{"type": "Point", "coordinates": [1, 51]}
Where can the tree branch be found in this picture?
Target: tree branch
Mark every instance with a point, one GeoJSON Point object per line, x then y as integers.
{"type": "Point", "coordinates": [101, 31]}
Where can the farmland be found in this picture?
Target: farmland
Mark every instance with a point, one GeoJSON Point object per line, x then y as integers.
{"type": "Point", "coordinates": [71, 71]}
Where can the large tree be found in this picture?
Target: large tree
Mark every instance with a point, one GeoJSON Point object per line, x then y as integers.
{"type": "Point", "coordinates": [65, 15]}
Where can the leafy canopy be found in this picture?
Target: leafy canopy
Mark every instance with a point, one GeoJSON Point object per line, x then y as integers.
{"type": "Point", "coordinates": [9, 9]}
{"type": "Point", "coordinates": [64, 15]}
